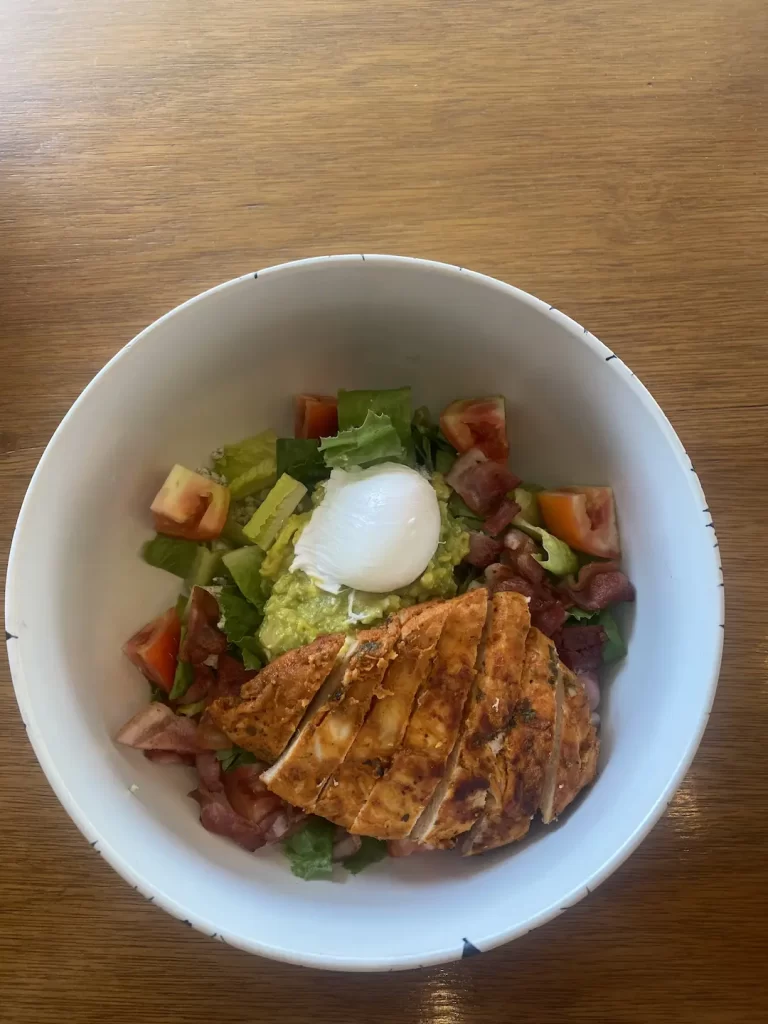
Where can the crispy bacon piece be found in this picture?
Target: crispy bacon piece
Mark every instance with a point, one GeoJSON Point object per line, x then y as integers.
{"type": "Point", "coordinates": [156, 727]}
{"type": "Point", "coordinates": [202, 638]}
{"type": "Point", "coordinates": [598, 585]}
{"type": "Point", "coordinates": [581, 647]}
{"type": "Point", "coordinates": [483, 550]}
{"type": "Point", "coordinates": [481, 483]}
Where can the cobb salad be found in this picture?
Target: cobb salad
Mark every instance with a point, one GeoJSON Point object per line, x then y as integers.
{"type": "Point", "coordinates": [340, 539]}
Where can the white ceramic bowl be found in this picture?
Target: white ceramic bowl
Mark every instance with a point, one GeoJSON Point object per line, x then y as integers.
{"type": "Point", "coordinates": [224, 365]}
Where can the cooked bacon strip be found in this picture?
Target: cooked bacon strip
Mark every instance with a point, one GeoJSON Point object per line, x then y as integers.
{"type": "Point", "coordinates": [269, 819]}
{"type": "Point", "coordinates": [502, 517]}
{"type": "Point", "coordinates": [481, 483]}
{"type": "Point", "coordinates": [581, 647]}
{"type": "Point", "coordinates": [548, 612]}
{"type": "Point", "coordinates": [483, 550]}
{"type": "Point", "coordinates": [202, 682]}
{"type": "Point", "coordinates": [156, 727]}
{"type": "Point", "coordinates": [202, 638]}
{"type": "Point", "coordinates": [598, 585]}
{"type": "Point", "coordinates": [169, 757]}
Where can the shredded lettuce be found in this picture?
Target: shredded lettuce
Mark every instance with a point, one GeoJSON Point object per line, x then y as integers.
{"type": "Point", "coordinates": [174, 554]}
{"type": "Point", "coordinates": [310, 849]}
{"type": "Point", "coordinates": [371, 851]}
{"type": "Point", "coordinates": [375, 440]}
{"type": "Point", "coordinates": [302, 459]}
{"type": "Point", "coordinates": [259, 452]}
{"type": "Point", "coordinates": [559, 558]}
{"type": "Point", "coordinates": [354, 407]}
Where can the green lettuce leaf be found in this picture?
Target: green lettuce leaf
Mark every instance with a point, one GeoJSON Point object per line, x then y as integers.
{"type": "Point", "coordinates": [581, 615]}
{"type": "Point", "coordinates": [259, 452]}
{"type": "Point", "coordinates": [182, 680]}
{"type": "Point", "coordinates": [240, 619]}
{"type": "Point", "coordinates": [309, 850]}
{"type": "Point", "coordinates": [279, 557]}
{"type": "Point", "coordinates": [376, 440]}
{"type": "Point", "coordinates": [354, 407]}
{"type": "Point", "coordinates": [244, 565]}
{"type": "Point", "coordinates": [370, 852]}
{"type": "Point", "coordinates": [529, 507]}
{"type": "Point", "coordinates": [252, 652]}
{"type": "Point", "coordinates": [191, 709]}
{"type": "Point", "coordinates": [302, 459]}
{"type": "Point", "coordinates": [461, 511]}
{"type": "Point", "coordinates": [559, 558]}
{"type": "Point", "coordinates": [614, 646]}
{"type": "Point", "coordinates": [431, 448]}
{"type": "Point", "coordinates": [233, 757]}
{"type": "Point", "coordinates": [174, 554]}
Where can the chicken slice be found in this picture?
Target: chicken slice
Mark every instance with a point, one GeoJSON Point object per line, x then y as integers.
{"type": "Point", "coordinates": [330, 727]}
{"type": "Point", "coordinates": [271, 705]}
{"type": "Point", "coordinates": [398, 798]}
{"type": "Point", "coordinates": [461, 794]}
{"type": "Point", "coordinates": [370, 755]}
{"type": "Point", "coordinates": [525, 750]}
{"type": "Point", "coordinates": [579, 746]}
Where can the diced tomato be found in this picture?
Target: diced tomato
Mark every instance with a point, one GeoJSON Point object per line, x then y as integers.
{"type": "Point", "coordinates": [190, 505]}
{"type": "Point", "coordinates": [248, 795]}
{"type": "Point", "coordinates": [477, 423]}
{"type": "Point", "coordinates": [155, 648]}
{"type": "Point", "coordinates": [315, 416]}
{"type": "Point", "coordinates": [584, 517]}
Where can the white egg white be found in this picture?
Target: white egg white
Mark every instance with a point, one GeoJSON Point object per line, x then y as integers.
{"type": "Point", "coordinates": [375, 530]}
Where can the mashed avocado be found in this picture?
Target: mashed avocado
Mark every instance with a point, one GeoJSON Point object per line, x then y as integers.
{"type": "Point", "coordinates": [298, 611]}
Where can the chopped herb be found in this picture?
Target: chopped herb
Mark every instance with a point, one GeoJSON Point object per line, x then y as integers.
{"type": "Point", "coordinates": [310, 849]}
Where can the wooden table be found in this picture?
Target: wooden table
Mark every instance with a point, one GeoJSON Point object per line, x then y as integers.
{"type": "Point", "coordinates": [607, 156]}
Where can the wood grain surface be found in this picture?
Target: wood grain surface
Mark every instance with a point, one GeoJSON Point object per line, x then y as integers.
{"type": "Point", "coordinates": [607, 156]}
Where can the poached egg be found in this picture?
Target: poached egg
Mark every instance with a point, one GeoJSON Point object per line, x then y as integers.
{"type": "Point", "coordinates": [375, 530]}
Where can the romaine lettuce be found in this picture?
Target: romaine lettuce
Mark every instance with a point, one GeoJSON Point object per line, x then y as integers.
{"type": "Point", "coordinates": [245, 566]}
{"type": "Point", "coordinates": [354, 407]}
{"type": "Point", "coordinates": [234, 460]}
{"type": "Point", "coordinates": [376, 440]}
{"type": "Point", "coordinates": [173, 554]}
{"type": "Point", "coordinates": [301, 458]}
{"type": "Point", "coordinates": [614, 646]}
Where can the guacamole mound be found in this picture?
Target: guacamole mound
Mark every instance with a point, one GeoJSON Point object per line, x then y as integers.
{"type": "Point", "coordinates": [298, 611]}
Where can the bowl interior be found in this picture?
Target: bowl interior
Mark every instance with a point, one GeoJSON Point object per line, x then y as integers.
{"type": "Point", "coordinates": [224, 366]}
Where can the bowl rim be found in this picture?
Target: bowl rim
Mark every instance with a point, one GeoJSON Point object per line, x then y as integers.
{"type": "Point", "coordinates": [262, 948]}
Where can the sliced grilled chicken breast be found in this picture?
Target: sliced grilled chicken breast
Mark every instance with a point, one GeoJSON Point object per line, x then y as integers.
{"type": "Point", "coordinates": [461, 794]}
{"type": "Point", "coordinates": [272, 704]}
{"type": "Point", "coordinates": [520, 769]}
{"type": "Point", "coordinates": [579, 746]}
{"type": "Point", "coordinates": [397, 799]}
{"type": "Point", "coordinates": [370, 755]}
{"type": "Point", "coordinates": [323, 740]}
